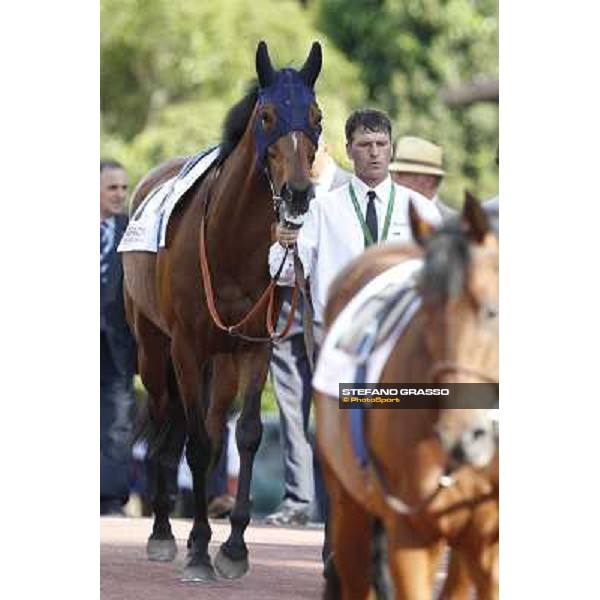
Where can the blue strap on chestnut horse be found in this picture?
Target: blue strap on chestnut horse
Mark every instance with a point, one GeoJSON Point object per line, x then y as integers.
{"type": "Point", "coordinates": [291, 95]}
{"type": "Point", "coordinates": [370, 330]}
{"type": "Point", "coordinates": [361, 344]}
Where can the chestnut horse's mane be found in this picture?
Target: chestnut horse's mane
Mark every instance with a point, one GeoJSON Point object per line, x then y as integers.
{"type": "Point", "coordinates": [236, 121]}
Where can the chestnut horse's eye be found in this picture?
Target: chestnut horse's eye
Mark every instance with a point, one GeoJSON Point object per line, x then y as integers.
{"type": "Point", "coordinates": [315, 115]}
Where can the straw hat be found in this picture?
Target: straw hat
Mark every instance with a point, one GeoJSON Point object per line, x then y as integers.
{"type": "Point", "coordinates": [415, 155]}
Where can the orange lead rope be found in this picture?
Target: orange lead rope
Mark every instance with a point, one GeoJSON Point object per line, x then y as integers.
{"type": "Point", "coordinates": [267, 296]}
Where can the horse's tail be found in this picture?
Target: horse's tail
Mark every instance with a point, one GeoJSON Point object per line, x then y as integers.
{"type": "Point", "coordinates": [165, 439]}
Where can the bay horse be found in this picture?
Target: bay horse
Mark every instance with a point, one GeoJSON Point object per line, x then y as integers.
{"type": "Point", "coordinates": [201, 300]}
{"type": "Point", "coordinates": [404, 488]}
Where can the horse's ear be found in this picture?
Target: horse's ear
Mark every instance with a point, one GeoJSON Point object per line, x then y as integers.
{"type": "Point", "coordinates": [474, 217]}
{"type": "Point", "coordinates": [419, 227]}
{"type": "Point", "coordinates": [264, 68]}
{"type": "Point", "coordinates": [312, 67]}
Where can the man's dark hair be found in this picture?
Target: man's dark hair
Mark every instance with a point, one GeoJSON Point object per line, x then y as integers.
{"type": "Point", "coordinates": [110, 163]}
{"type": "Point", "coordinates": [370, 119]}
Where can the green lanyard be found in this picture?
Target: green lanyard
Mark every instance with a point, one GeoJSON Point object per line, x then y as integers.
{"type": "Point", "coordinates": [361, 219]}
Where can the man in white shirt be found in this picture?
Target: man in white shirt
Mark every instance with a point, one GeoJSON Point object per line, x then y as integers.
{"type": "Point", "coordinates": [303, 497]}
{"type": "Point", "coordinates": [369, 209]}
{"type": "Point", "coordinates": [418, 164]}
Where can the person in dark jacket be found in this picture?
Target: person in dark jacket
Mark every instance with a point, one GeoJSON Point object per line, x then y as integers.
{"type": "Point", "coordinates": [117, 346]}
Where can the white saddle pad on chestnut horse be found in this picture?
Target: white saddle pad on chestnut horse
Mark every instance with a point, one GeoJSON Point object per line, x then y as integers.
{"type": "Point", "coordinates": [147, 227]}
{"type": "Point", "coordinates": [368, 327]}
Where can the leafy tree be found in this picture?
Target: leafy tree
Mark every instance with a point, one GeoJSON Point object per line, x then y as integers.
{"type": "Point", "coordinates": [408, 51]}
{"type": "Point", "coordinates": [170, 70]}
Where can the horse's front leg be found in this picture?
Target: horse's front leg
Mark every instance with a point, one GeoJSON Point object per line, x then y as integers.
{"type": "Point", "coordinates": [348, 566]}
{"type": "Point", "coordinates": [252, 366]}
{"type": "Point", "coordinates": [188, 368]}
{"type": "Point", "coordinates": [479, 547]}
{"type": "Point", "coordinates": [458, 581]}
{"type": "Point", "coordinates": [412, 561]}
{"type": "Point", "coordinates": [483, 566]}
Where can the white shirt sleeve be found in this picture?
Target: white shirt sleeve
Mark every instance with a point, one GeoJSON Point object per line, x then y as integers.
{"type": "Point", "coordinates": [307, 250]}
{"type": "Point", "coordinates": [308, 238]}
{"type": "Point", "coordinates": [276, 254]}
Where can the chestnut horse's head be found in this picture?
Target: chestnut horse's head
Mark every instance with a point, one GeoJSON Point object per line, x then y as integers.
{"type": "Point", "coordinates": [460, 292]}
{"type": "Point", "coordinates": [287, 129]}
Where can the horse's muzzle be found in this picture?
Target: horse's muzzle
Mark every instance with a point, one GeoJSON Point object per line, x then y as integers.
{"type": "Point", "coordinates": [295, 202]}
{"type": "Point", "coordinates": [474, 445]}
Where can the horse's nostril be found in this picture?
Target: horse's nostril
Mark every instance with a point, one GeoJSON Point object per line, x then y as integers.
{"type": "Point", "coordinates": [490, 312]}
{"type": "Point", "coordinates": [458, 454]}
{"type": "Point", "coordinates": [479, 433]}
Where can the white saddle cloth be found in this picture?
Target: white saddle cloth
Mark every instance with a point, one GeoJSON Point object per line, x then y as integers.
{"type": "Point", "coordinates": [147, 228]}
{"type": "Point", "coordinates": [337, 366]}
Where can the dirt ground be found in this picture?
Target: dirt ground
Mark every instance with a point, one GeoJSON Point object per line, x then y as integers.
{"type": "Point", "coordinates": [285, 563]}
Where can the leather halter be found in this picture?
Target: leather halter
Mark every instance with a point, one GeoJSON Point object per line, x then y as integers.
{"type": "Point", "coordinates": [449, 366]}
{"type": "Point", "coordinates": [398, 505]}
{"type": "Point", "coordinates": [446, 479]}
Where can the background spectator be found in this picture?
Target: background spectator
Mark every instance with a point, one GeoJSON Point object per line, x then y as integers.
{"type": "Point", "coordinates": [417, 165]}
{"type": "Point", "coordinates": [117, 346]}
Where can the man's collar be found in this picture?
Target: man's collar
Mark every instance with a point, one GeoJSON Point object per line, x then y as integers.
{"type": "Point", "coordinates": [361, 188]}
{"type": "Point", "coordinates": [110, 221]}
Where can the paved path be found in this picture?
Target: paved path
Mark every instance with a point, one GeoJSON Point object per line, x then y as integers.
{"type": "Point", "coordinates": [285, 564]}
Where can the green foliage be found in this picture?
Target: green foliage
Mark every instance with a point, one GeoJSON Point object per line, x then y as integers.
{"type": "Point", "coordinates": [408, 51]}
{"type": "Point", "coordinates": [268, 403]}
{"type": "Point", "coordinates": [171, 69]}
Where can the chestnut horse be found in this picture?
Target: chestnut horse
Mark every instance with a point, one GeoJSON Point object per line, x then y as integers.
{"type": "Point", "coordinates": [182, 303]}
{"type": "Point", "coordinates": [431, 477]}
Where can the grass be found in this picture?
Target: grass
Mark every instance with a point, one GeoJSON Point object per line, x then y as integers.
{"type": "Point", "coordinates": [268, 401]}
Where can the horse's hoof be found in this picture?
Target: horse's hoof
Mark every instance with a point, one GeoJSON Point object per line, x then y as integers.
{"type": "Point", "coordinates": [161, 550]}
{"type": "Point", "coordinates": [198, 571]}
{"type": "Point", "coordinates": [227, 568]}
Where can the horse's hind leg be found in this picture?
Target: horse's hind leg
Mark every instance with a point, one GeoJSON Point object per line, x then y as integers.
{"type": "Point", "coordinates": [188, 368]}
{"type": "Point", "coordinates": [165, 431]}
{"type": "Point", "coordinates": [252, 367]}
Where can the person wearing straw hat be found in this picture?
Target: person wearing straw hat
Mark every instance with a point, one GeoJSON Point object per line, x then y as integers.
{"type": "Point", "coordinates": [417, 165]}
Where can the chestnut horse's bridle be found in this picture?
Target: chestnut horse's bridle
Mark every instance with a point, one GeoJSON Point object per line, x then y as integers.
{"type": "Point", "coordinates": [448, 366]}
